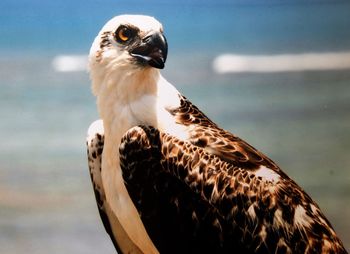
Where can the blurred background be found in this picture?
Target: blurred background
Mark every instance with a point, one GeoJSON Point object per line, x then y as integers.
{"type": "Point", "coordinates": [276, 73]}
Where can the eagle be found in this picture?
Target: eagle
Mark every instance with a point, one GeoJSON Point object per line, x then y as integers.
{"type": "Point", "coordinates": [167, 179]}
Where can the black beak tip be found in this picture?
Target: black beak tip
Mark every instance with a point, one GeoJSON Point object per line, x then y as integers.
{"type": "Point", "coordinates": [157, 62]}
{"type": "Point", "coordinates": [156, 65]}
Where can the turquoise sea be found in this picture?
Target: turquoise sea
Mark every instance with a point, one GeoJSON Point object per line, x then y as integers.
{"type": "Point", "coordinates": [299, 118]}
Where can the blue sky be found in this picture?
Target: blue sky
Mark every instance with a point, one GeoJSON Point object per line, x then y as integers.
{"type": "Point", "coordinates": [248, 26]}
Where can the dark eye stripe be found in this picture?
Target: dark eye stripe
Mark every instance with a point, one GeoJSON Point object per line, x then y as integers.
{"type": "Point", "coordinates": [105, 42]}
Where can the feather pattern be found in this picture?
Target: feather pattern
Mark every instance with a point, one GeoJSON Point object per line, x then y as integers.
{"type": "Point", "coordinates": [205, 133]}
{"type": "Point", "coordinates": [192, 201]}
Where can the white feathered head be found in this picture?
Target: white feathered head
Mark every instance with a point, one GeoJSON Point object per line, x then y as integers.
{"type": "Point", "coordinates": [128, 43]}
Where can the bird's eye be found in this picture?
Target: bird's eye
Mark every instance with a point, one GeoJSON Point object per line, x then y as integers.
{"type": "Point", "coordinates": [123, 34]}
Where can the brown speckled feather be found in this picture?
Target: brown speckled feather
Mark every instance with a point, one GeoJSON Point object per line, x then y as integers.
{"type": "Point", "coordinates": [205, 133]}
{"type": "Point", "coordinates": [193, 201]}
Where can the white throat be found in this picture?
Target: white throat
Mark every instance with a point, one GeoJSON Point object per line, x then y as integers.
{"type": "Point", "coordinates": [126, 98]}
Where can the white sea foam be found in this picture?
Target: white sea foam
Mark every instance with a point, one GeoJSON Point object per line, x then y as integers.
{"type": "Point", "coordinates": [70, 63]}
{"type": "Point", "coordinates": [231, 63]}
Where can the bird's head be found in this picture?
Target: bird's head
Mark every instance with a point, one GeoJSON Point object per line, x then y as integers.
{"type": "Point", "coordinates": [128, 43]}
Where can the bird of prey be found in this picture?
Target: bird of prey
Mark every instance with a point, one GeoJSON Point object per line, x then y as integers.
{"type": "Point", "coordinates": [169, 180]}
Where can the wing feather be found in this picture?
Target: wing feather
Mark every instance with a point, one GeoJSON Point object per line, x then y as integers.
{"type": "Point", "coordinates": [205, 133]}
{"type": "Point", "coordinates": [235, 209]}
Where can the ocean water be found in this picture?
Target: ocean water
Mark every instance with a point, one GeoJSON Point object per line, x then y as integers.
{"type": "Point", "coordinates": [299, 118]}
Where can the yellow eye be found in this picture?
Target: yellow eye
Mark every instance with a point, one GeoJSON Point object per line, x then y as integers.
{"type": "Point", "coordinates": [123, 34]}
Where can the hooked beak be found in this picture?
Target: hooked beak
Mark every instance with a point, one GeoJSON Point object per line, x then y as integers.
{"type": "Point", "coordinates": [152, 50]}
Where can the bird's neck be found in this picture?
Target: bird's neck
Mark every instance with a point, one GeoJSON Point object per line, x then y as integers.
{"type": "Point", "coordinates": [118, 93]}
{"type": "Point", "coordinates": [129, 98]}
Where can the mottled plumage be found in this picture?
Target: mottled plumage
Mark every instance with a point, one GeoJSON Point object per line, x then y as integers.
{"type": "Point", "coordinates": [169, 180]}
{"type": "Point", "coordinates": [194, 201]}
